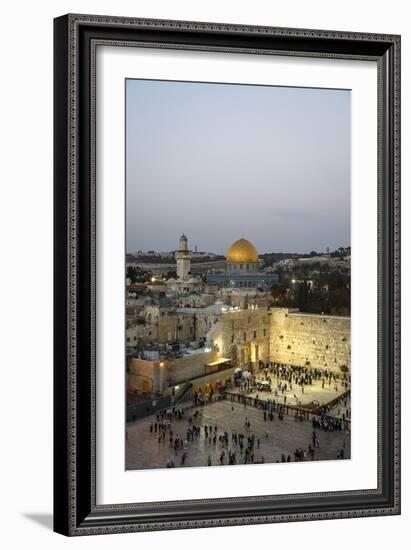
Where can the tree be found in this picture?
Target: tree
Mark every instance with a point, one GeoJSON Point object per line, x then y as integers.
{"type": "Point", "coordinates": [279, 292]}
{"type": "Point", "coordinates": [131, 273]}
{"type": "Point", "coordinates": [136, 275]}
{"type": "Point", "coordinates": [302, 296]}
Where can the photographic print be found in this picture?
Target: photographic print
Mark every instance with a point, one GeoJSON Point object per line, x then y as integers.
{"type": "Point", "coordinates": [237, 264]}
{"type": "Point", "coordinates": [211, 186]}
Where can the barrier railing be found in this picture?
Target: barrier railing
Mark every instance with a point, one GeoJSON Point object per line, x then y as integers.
{"type": "Point", "coordinates": [287, 409]}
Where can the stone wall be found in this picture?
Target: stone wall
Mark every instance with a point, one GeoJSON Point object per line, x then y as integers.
{"type": "Point", "coordinates": [320, 341]}
{"type": "Point", "coordinates": [147, 376]}
{"type": "Point", "coordinates": [190, 366]}
{"type": "Point", "coordinates": [244, 336]}
{"type": "Point", "coordinates": [156, 376]}
{"type": "Point", "coordinates": [161, 326]}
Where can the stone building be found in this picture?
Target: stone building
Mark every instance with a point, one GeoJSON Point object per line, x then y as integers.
{"type": "Point", "coordinates": [243, 298]}
{"type": "Point", "coordinates": [202, 370]}
{"type": "Point", "coordinates": [159, 325]}
{"type": "Point", "coordinates": [198, 300]}
{"type": "Point", "coordinates": [183, 287]}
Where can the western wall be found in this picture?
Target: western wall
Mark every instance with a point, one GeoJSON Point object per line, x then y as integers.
{"type": "Point", "coordinates": [285, 336]}
{"type": "Point", "coordinates": [318, 341]}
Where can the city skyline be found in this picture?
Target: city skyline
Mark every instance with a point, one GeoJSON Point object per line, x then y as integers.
{"type": "Point", "coordinates": [197, 249]}
{"type": "Point", "coordinates": [218, 160]}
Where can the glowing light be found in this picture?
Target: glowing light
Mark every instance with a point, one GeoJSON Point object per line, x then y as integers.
{"type": "Point", "coordinates": [161, 364]}
{"type": "Point", "coordinates": [153, 279]}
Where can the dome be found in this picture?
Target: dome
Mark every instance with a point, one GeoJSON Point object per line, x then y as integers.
{"type": "Point", "coordinates": [242, 251]}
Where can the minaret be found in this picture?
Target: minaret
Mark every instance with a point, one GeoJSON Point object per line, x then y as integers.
{"type": "Point", "coordinates": [183, 258]}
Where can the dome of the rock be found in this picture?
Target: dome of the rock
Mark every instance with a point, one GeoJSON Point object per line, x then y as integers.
{"type": "Point", "coordinates": [242, 251]}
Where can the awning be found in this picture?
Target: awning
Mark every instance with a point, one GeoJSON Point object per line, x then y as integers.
{"type": "Point", "coordinates": [221, 361]}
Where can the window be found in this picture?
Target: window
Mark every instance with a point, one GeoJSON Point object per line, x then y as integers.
{"type": "Point", "coordinates": [245, 337]}
{"type": "Point", "coordinates": [255, 334]}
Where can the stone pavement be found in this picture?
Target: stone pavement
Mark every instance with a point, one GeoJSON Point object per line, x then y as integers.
{"type": "Point", "coordinates": [144, 451]}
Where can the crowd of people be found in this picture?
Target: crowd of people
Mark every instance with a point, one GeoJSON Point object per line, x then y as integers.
{"type": "Point", "coordinates": [233, 448]}
{"type": "Point", "coordinates": [303, 376]}
{"type": "Point", "coordinates": [327, 423]}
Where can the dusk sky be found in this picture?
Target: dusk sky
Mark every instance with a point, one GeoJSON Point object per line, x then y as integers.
{"type": "Point", "coordinates": [215, 161]}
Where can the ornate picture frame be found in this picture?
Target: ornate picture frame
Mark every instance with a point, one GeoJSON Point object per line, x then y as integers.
{"type": "Point", "coordinates": [76, 38]}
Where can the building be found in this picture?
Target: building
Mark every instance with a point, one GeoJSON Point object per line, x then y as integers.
{"type": "Point", "coordinates": [200, 370]}
{"type": "Point", "coordinates": [243, 269]}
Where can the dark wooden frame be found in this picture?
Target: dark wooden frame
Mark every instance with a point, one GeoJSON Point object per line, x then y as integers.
{"type": "Point", "coordinates": [75, 40]}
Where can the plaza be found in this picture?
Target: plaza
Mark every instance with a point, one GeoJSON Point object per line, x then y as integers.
{"type": "Point", "coordinates": [275, 440]}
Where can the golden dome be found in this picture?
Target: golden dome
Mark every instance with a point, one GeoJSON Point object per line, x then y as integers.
{"type": "Point", "coordinates": [242, 251]}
